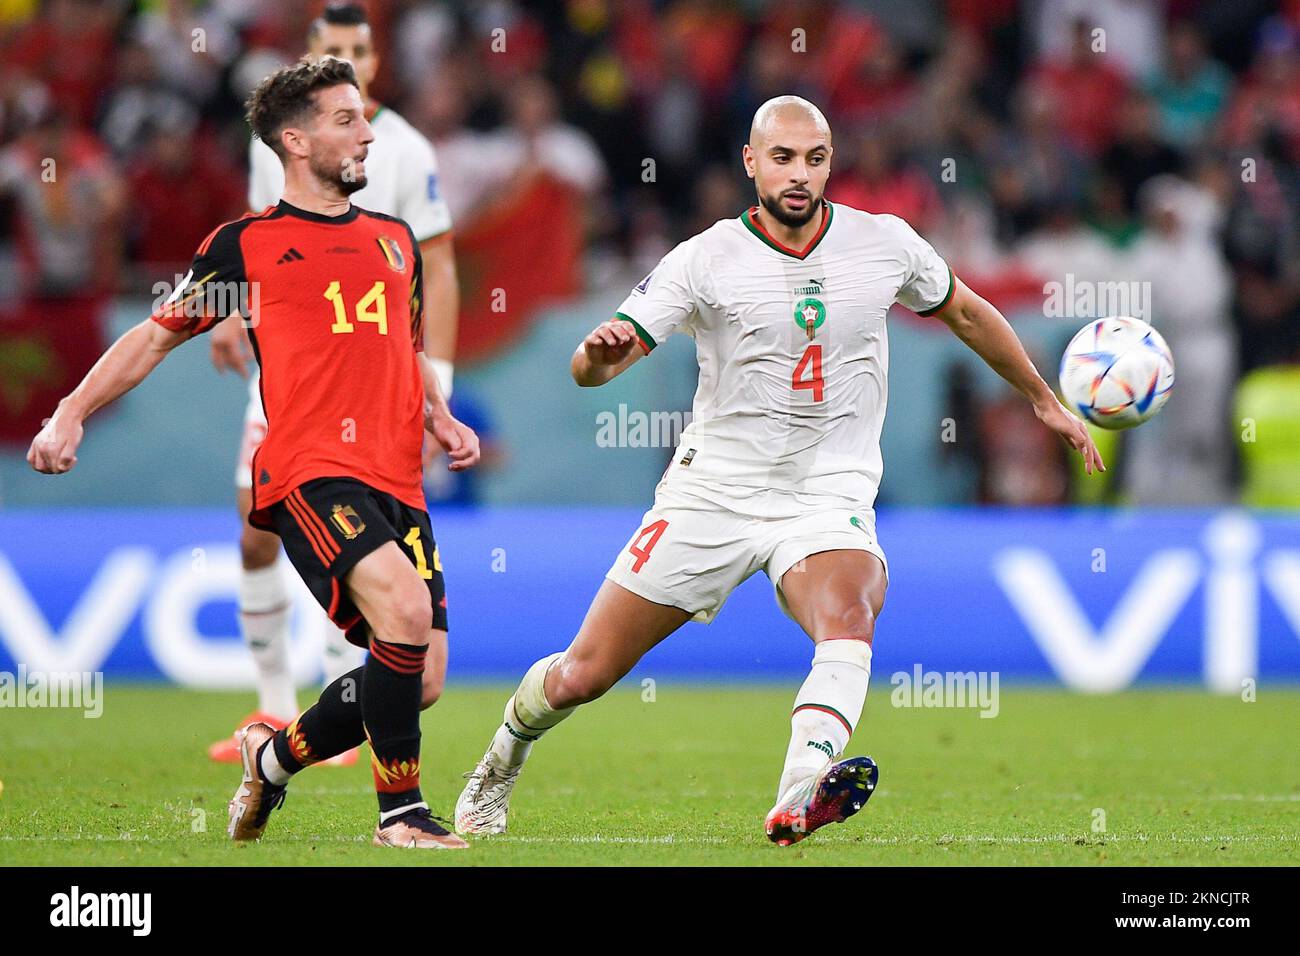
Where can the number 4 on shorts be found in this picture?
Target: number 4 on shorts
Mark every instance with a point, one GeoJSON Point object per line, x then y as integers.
{"type": "Point", "coordinates": [653, 531]}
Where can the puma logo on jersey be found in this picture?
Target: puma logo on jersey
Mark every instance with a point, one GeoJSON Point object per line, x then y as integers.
{"type": "Point", "coordinates": [293, 255]}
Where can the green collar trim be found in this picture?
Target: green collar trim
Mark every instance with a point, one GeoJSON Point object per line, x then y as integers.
{"type": "Point", "coordinates": [754, 226]}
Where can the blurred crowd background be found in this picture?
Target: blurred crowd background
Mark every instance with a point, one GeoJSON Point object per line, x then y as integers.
{"type": "Point", "coordinates": [1102, 140]}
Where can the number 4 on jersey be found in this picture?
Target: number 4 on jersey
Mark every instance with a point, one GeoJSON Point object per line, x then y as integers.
{"type": "Point", "coordinates": [653, 531]}
{"type": "Point", "coordinates": [812, 356]}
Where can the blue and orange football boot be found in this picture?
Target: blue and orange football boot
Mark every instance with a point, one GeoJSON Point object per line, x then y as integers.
{"type": "Point", "coordinates": [834, 795]}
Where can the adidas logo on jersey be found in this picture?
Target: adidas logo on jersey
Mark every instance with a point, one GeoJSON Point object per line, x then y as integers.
{"type": "Point", "coordinates": [293, 255]}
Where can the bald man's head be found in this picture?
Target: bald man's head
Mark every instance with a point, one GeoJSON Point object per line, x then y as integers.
{"type": "Point", "coordinates": [781, 112]}
{"type": "Point", "coordinates": [789, 158]}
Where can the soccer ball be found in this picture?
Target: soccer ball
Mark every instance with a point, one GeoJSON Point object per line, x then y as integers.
{"type": "Point", "coordinates": [1117, 372]}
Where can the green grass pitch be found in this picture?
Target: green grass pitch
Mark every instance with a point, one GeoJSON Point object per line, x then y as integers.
{"type": "Point", "coordinates": [1156, 776]}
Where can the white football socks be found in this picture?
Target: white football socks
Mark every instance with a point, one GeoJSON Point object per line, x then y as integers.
{"type": "Point", "coordinates": [826, 709]}
{"type": "Point", "coordinates": [340, 657]}
{"type": "Point", "coordinates": [264, 621]}
{"type": "Point", "coordinates": [272, 770]}
{"type": "Point", "coordinates": [528, 715]}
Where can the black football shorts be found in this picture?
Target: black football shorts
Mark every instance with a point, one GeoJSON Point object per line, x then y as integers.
{"type": "Point", "coordinates": [329, 524]}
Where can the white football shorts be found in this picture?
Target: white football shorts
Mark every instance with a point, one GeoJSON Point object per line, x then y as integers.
{"type": "Point", "coordinates": [692, 553]}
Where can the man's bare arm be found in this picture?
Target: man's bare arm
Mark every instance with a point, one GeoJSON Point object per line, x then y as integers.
{"type": "Point", "coordinates": [125, 365]}
{"type": "Point", "coordinates": [231, 348]}
{"type": "Point", "coordinates": [609, 351]}
{"type": "Point", "coordinates": [441, 296]}
{"type": "Point", "coordinates": [456, 438]}
{"type": "Point", "coordinates": [989, 335]}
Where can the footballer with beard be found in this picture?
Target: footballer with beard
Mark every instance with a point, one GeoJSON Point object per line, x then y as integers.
{"type": "Point", "coordinates": [780, 465]}
{"type": "Point", "coordinates": [332, 297]}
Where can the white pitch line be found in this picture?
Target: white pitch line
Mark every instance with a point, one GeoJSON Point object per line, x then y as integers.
{"type": "Point", "coordinates": [672, 840]}
{"type": "Point", "coordinates": [1258, 797]}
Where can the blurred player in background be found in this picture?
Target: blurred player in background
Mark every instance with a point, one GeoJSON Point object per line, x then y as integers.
{"type": "Point", "coordinates": [338, 333]}
{"type": "Point", "coordinates": [780, 465]}
{"type": "Point", "coordinates": [402, 181]}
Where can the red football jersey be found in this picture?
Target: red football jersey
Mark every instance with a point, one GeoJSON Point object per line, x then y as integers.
{"type": "Point", "coordinates": [333, 305]}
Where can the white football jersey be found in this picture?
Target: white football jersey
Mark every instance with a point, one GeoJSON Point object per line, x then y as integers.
{"type": "Point", "coordinates": [401, 177]}
{"type": "Point", "coordinates": [793, 355]}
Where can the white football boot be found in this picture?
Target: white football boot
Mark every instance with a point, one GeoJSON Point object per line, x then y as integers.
{"type": "Point", "coordinates": [485, 801]}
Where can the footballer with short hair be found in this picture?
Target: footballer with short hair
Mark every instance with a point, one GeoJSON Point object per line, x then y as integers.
{"type": "Point", "coordinates": [333, 298]}
{"type": "Point", "coordinates": [402, 181]}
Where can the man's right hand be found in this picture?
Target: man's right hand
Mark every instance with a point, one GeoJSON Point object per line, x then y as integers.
{"type": "Point", "coordinates": [54, 449]}
{"type": "Point", "coordinates": [611, 342]}
{"type": "Point", "coordinates": [609, 350]}
{"type": "Point", "coordinates": [230, 346]}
